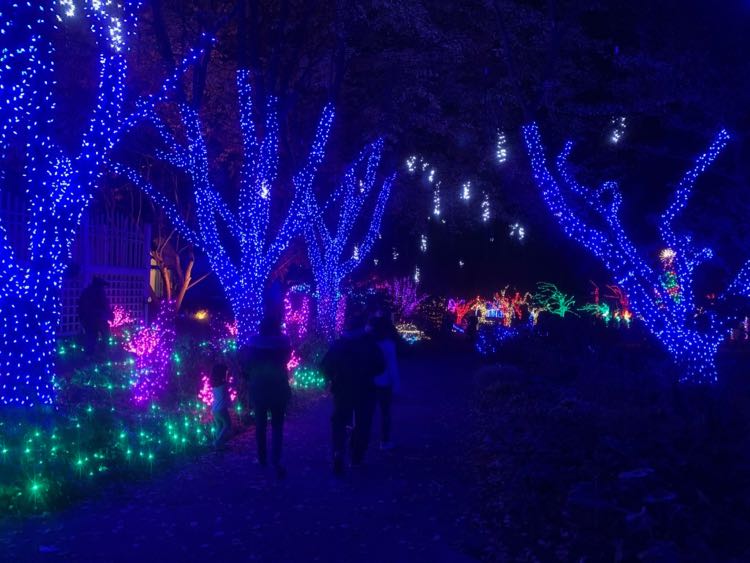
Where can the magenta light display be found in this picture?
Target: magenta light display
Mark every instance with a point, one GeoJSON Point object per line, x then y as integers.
{"type": "Point", "coordinates": [120, 317]}
{"type": "Point", "coordinates": [153, 346]}
{"type": "Point", "coordinates": [296, 315]}
{"type": "Point", "coordinates": [206, 392]}
{"type": "Point", "coordinates": [405, 296]}
{"type": "Point", "coordinates": [293, 362]}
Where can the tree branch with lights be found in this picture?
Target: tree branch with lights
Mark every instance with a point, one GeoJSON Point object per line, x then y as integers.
{"type": "Point", "coordinates": [326, 246]}
{"type": "Point", "coordinates": [57, 182]}
{"type": "Point", "coordinates": [220, 228]}
{"type": "Point", "coordinates": [662, 296]}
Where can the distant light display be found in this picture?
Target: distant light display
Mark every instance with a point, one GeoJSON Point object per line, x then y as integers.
{"type": "Point", "coordinates": [619, 125]}
{"type": "Point", "coordinates": [410, 333]}
{"type": "Point", "coordinates": [517, 231]}
{"type": "Point", "coordinates": [553, 301]}
{"type": "Point", "coordinates": [436, 200]}
{"type": "Point", "coordinates": [485, 207]}
{"type": "Point", "coordinates": [466, 191]}
{"type": "Point", "coordinates": [501, 148]}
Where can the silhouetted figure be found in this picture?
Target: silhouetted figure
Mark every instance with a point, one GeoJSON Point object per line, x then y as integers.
{"type": "Point", "coordinates": [388, 382]}
{"type": "Point", "coordinates": [220, 406]}
{"type": "Point", "coordinates": [471, 328]}
{"type": "Point", "coordinates": [350, 366]}
{"type": "Point", "coordinates": [94, 312]}
{"type": "Point", "coordinates": [266, 358]}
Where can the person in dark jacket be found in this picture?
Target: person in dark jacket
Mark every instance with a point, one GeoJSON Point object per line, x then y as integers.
{"type": "Point", "coordinates": [266, 359]}
{"type": "Point", "coordinates": [350, 366]}
{"type": "Point", "coordinates": [94, 313]}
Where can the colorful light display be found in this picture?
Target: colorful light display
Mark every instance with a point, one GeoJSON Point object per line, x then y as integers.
{"type": "Point", "coordinates": [121, 317]}
{"type": "Point", "coordinates": [508, 307]}
{"type": "Point", "coordinates": [206, 392]}
{"type": "Point", "coordinates": [405, 296]}
{"type": "Point", "coordinates": [326, 246]}
{"type": "Point", "coordinates": [670, 320]}
{"type": "Point", "coordinates": [461, 308]}
{"type": "Point", "coordinates": [411, 333]}
{"type": "Point", "coordinates": [553, 301]}
{"type": "Point", "coordinates": [153, 346]}
{"type": "Point", "coordinates": [296, 315]}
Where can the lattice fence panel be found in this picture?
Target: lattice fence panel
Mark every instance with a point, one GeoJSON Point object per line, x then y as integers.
{"type": "Point", "coordinates": [114, 248]}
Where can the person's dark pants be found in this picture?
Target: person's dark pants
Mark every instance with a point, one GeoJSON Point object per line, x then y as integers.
{"type": "Point", "coordinates": [277, 430]}
{"type": "Point", "coordinates": [344, 408]}
{"type": "Point", "coordinates": [385, 402]}
{"type": "Point", "coordinates": [223, 426]}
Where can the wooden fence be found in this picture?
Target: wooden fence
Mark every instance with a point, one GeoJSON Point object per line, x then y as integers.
{"type": "Point", "coordinates": [114, 248]}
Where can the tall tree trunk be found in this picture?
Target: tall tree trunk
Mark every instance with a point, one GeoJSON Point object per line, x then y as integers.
{"type": "Point", "coordinates": [28, 324]}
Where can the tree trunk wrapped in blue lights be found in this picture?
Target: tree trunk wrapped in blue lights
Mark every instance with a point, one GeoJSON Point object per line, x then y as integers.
{"type": "Point", "coordinates": [662, 297]}
{"type": "Point", "coordinates": [57, 183]}
{"type": "Point", "coordinates": [243, 280]}
{"type": "Point", "coordinates": [327, 249]}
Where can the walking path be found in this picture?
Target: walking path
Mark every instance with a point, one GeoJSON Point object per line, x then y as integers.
{"type": "Point", "coordinates": [408, 504]}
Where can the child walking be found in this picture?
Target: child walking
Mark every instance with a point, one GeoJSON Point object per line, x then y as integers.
{"type": "Point", "coordinates": [220, 406]}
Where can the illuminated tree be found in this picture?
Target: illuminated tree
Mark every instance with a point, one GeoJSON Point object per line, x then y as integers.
{"type": "Point", "coordinates": [326, 247]}
{"type": "Point", "coordinates": [220, 229]}
{"type": "Point", "coordinates": [666, 303]}
{"type": "Point", "coordinates": [550, 299]}
{"type": "Point", "coordinates": [405, 296]}
{"type": "Point", "coordinates": [57, 176]}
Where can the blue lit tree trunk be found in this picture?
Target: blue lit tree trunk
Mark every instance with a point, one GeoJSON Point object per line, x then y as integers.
{"type": "Point", "coordinates": [58, 183]}
{"type": "Point", "coordinates": [326, 247]}
{"type": "Point", "coordinates": [244, 278]}
{"type": "Point", "coordinates": [664, 302]}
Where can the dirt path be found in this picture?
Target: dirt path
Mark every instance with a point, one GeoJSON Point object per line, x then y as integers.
{"type": "Point", "coordinates": [404, 505]}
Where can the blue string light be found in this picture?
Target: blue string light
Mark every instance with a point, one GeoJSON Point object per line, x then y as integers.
{"type": "Point", "coordinates": [693, 345]}
{"type": "Point", "coordinates": [243, 280]}
{"type": "Point", "coordinates": [326, 247]}
{"type": "Point", "coordinates": [58, 183]}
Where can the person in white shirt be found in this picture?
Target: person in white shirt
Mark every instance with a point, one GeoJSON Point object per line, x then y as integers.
{"type": "Point", "coordinates": [388, 382]}
{"type": "Point", "coordinates": [220, 406]}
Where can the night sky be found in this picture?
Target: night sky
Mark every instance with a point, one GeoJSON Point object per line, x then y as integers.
{"type": "Point", "coordinates": [439, 80]}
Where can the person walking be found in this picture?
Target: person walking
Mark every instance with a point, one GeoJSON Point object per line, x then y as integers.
{"type": "Point", "coordinates": [388, 382]}
{"type": "Point", "coordinates": [266, 359]}
{"type": "Point", "coordinates": [94, 313]}
{"type": "Point", "coordinates": [350, 367]}
{"type": "Point", "coordinates": [220, 405]}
